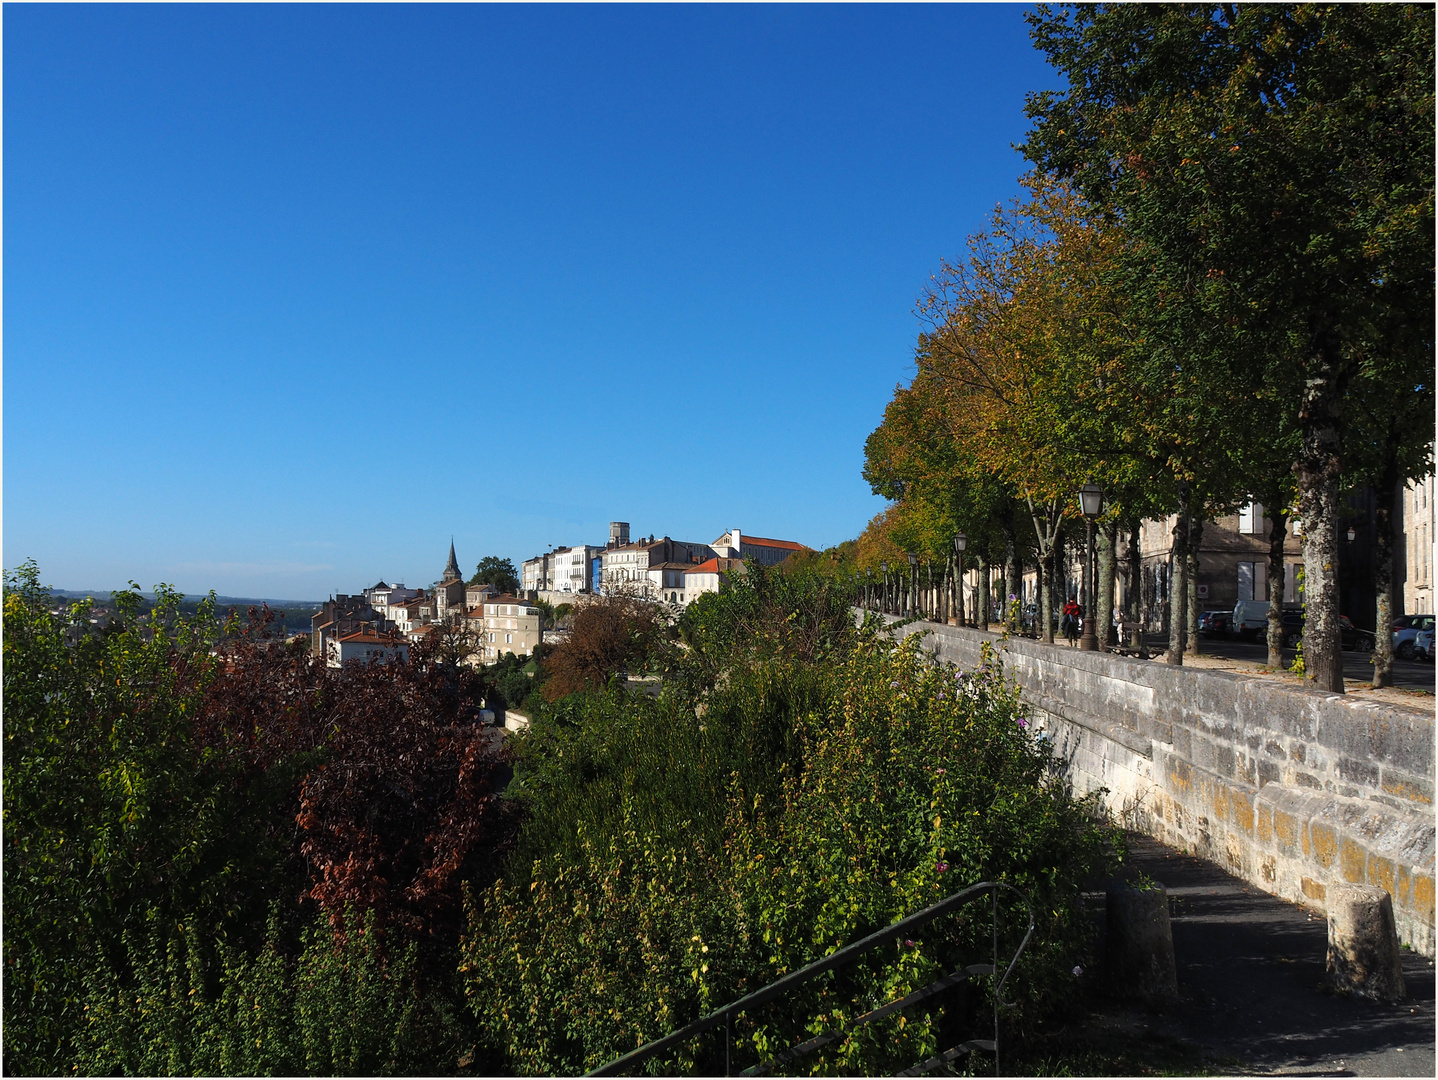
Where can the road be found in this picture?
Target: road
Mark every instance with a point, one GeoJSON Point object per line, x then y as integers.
{"type": "Point", "coordinates": [1407, 674]}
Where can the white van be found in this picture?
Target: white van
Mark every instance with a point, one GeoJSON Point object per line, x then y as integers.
{"type": "Point", "coordinates": [1250, 617]}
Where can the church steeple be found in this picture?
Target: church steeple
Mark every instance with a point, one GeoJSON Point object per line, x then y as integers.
{"type": "Point", "coordinates": [451, 568]}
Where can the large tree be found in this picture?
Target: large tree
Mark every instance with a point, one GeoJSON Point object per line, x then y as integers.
{"type": "Point", "coordinates": [492, 570]}
{"type": "Point", "coordinates": [1273, 165]}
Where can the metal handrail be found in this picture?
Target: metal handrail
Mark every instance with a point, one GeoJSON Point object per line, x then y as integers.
{"type": "Point", "coordinates": [795, 979]}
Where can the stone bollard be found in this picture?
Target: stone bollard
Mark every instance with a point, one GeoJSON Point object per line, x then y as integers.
{"type": "Point", "coordinates": [1363, 943]}
{"type": "Point", "coordinates": [1140, 943]}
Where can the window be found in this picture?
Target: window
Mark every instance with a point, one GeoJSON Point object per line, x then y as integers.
{"type": "Point", "coordinates": [508, 639]}
{"type": "Point", "coordinates": [1252, 581]}
{"type": "Point", "coordinates": [1250, 519]}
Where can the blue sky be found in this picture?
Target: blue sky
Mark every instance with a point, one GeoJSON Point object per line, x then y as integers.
{"type": "Point", "coordinates": [294, 294]}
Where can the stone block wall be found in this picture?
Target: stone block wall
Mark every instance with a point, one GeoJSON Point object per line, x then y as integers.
{"type": "Point", "coordinates": [1291, 789]}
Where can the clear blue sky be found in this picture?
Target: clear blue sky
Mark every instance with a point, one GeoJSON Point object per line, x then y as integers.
{"type": "Point", "coordinates": [294, 294]}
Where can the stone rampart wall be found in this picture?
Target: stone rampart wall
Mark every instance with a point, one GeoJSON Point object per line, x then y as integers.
{"type": "Point", "coordinates": [1291, 789]}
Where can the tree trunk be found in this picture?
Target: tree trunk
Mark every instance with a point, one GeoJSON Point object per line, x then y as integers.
{"type": "Point", "coordinates": [1177, 585]}
{"type": "Point", "coordinates": [1386, 493]}
{"type": "Point", "coordinates": [1195, 541]}
{"type": "Point", "coordinates": [1135, 582]}
{"type": "Point", "coordinates": [1013, 579]}
{"type": "Point", "coordinates": [1319, 468]}
{"type": "Point", "coordinates": [981, 601]}
{"type": "Point", "coordinates": [1277, 573]}
{"type": "Point", "coordinates": [1103, 609]}
{"type": "Point", "coordinates": [1046, 599]}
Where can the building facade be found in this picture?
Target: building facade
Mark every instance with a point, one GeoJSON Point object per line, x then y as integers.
{"type": "Point", "coordinates": [735, 544]}
{"type": "Point", "coordinates": [506, 624]}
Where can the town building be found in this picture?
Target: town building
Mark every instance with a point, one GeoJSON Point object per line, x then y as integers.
{"type": "Point", "coordinates": [626, 568]}
{"type": "Point", "coordinates": [565, 571]}
{"type": "Point", "coordinates": [362, 647]}
{"type": "Point", "coordinates": [734, 544]}
{"type": "Point", "coordinates": [449, 598]}
{"type": "Point", "coordinates": [1413, 577]}
{"type": "Point", "coordinates": [709, 577]}
{"type": "Point", "coordinates": [506, 624]}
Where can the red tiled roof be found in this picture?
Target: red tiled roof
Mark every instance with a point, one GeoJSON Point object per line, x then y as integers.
{"type": "Point", "coordinates": [764, 541]}
{"type": "Point", "coordinates": [505, 599]}
{"type": "Point", "coordinates": [366, 637]}
{"type": "Point", "coordinates": [715, 566]}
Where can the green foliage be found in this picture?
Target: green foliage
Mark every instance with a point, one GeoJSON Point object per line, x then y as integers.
{"type": "Point", "coordinates": [765, 613]}
{"type": "Point", "coordinates": [110, 807]}
{"type": "Point", "coordinates": [159, 794]}
{"type": "Point", "coordinates": [501, 573]}
{"type": "Point", "coordinates": [343, 1006]}
{"type": "Point", "coordinates": [680, 853]}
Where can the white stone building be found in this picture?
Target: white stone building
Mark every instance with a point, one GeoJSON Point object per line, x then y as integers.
{"type": "Point", "coordinates": [734, 544]}
{"type": "Point", "coordinates": [362, 647]}
{"type": "Point", "coordinates": [506, 624]}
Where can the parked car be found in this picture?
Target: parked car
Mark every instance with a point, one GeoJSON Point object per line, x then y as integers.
{"type": "Point", "coordinates": [1250, 618]}
{"type": "Point", "coordinates": [1405, 629]}
{"type": "Point", "coordinates": [1351, 637]}
{"type": "Point", "coordinates": [1354, 638]}
{"type": "Point", "coordinates": [1215, 623]}
{"type": "Point", "coordinates": [1423, 645]}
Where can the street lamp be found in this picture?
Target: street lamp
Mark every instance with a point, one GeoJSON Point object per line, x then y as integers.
{"type": "Point", "coordinates": [1091, 503]}
{"type": "Point", "coordinates": [884, 568]}
{"type": "Point", "coordinates": [960, 542]}
{"type": "Point", "coordinates": [1352, 534]}
{"type": "Point", "coordinates": [913, 581]}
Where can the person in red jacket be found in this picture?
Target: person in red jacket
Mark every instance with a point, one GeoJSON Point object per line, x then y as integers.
{"type": "Point", "coordinates": [1071, 621]}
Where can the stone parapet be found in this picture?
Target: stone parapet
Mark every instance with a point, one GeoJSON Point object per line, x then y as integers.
{"type": "Point", "coordinates": [1294, 790]}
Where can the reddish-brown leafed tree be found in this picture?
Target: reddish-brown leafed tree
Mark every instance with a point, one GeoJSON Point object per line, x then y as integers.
{"type": "Point", "coordinates": [394, 777]}
{"type": "Point", "coordinates": [607, 635]}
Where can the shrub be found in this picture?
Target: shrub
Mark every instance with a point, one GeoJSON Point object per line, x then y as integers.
{"type": "Point", "coordinates": [681, 853]}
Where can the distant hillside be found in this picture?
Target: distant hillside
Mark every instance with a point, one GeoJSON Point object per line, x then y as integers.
{"type": "Point", "coordinates": [289, 607]}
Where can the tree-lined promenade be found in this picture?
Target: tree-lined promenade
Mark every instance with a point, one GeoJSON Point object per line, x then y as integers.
{"type": "Point", "coordinates": [1218, 290]}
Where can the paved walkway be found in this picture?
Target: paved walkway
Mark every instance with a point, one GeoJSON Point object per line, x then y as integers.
{"type": "Point", "coordinates": [1250, 971]}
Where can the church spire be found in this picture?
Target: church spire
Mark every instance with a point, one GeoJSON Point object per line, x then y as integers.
{"type": "Point", "coordinates": [451, 568]}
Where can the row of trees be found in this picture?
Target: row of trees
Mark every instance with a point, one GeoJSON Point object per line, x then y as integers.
{"type": "Point", "coordinates": [1219, 287]}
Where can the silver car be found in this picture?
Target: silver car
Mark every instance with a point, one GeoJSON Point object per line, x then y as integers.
{"type": "Point", "coordinates": [1405, 629]}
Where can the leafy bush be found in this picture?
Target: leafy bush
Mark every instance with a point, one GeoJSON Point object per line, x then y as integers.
{"type": "Point", "coordinates": [679, 854]}
{"type": "Point", "coordinates": [157, 775]}
{"type": "Point", "coordinates": [345, 1005]}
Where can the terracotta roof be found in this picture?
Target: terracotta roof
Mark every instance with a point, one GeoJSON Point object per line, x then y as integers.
{"type": "Point", "coordinates": [715, 566]}
{"type": "Point", "coordinates": [505, 599]}
{"type": "Point", "coordinates": [366, 637]}
{"type": "Point", "coordinates": [764, 541]}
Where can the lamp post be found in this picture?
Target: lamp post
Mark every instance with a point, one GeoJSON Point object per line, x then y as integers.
{"type": "Point", "coordinates": [960, 542]}
{"type": "Point", "coordinates": [913, 583]}
{"type": "Point", "coordinates": [1091, 503]}
{"type": "Point", "coordinates": [884, 569]}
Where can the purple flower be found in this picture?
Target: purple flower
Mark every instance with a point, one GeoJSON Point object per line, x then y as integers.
{"type": "Point", "coordinates": [1023, 721]}
{"type": "Point", "coordinates": [1077, 971]}
{"type": "Point", "coordinates": [942, 867]}
{"type": "Point", "coordinates": [908, 943]}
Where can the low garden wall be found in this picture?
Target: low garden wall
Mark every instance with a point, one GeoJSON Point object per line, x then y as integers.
{"type": "Point", "coordinates": [1291, 789]}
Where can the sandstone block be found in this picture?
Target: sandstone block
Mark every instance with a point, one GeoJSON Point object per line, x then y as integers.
{"type": "Point", "coordinates": [1140, 944]}
{"type": "Point", "coordinates": [1363, 943]}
